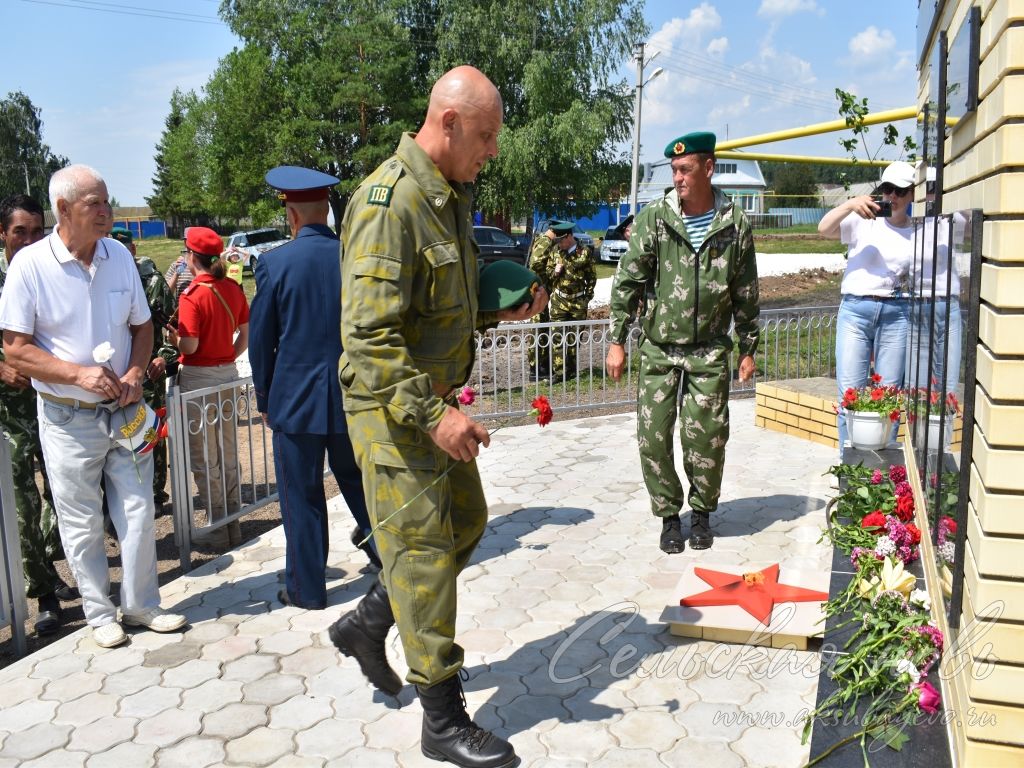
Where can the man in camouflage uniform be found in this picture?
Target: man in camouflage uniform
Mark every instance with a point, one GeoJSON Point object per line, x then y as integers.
{"type": "Point", "coordinates": [692, 252]}
{"type": "Point", "coordinates": [21, 224]}
{"type": "Point", "coordinates": [540, 355]}
{"type": "Point", "coordinates": [161, 305]}
{"type": "Point", "coordinates": [568, 272]}
{"type": "Point", "coordinates": [410, 282]}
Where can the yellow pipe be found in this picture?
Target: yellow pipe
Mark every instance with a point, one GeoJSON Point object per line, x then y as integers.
{"type": "Point", "coordinates": [766, 157]}
{"type": "Point", "coordinates": [888, 116]}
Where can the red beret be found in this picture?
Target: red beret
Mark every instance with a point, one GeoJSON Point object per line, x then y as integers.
{"type": "Point", "coordinates": [204, 241]}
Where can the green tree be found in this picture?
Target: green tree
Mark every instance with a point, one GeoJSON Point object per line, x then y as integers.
{"type": "Point", "coordinates": [348, 78]}
{"type": "Point", "coordinates": [853, 110]}
{"type": "Point", "coordinates": [180, 183]}
{"type": "Point", "coordinates": [26, 163]}
{"type": "Point", "coordinates": [554, 62]}
{"type": "Point", "coordinates": [797, 184]}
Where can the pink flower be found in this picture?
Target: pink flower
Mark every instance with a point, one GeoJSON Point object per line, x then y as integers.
{"type": "Point", "coordinates": [467, 396]}
{"type": "Point", "coordinates": [897, 473]}
{"type": "Point", "coordinates": [876, 477]}
{"type": "Point", "coordinates": [928, 698]}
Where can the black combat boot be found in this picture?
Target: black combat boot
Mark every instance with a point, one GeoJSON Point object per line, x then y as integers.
{"type": "Point", "coordinates": [672, 541]}
{"type": "Point", "coordinates": [361, 634]}
{"type": "Point", "coordinates": [700, 530]}
{"type": "Point", "coordinates": [449, 734]}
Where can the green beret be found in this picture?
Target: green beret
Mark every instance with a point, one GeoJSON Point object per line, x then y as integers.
{"type": "Point", "coordinates": [561, 227]}
{"type": "Point", "coordinates": [505, 284]}
{"type": "Point", "coordinates": [121, 234]}
{"type": "Point", "coordinates": [698, 141]}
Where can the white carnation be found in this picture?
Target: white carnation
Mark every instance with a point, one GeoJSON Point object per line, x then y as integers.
{"type": "Point", "coordinates": [102, 353]}
{"type": "Point", "coordinates": [885, 546]}
{"type": "Point", "coordinates": [907, 666]}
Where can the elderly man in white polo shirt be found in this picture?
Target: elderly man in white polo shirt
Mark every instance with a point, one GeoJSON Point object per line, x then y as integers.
{"type": "Point", "coordinates": [64, 296]}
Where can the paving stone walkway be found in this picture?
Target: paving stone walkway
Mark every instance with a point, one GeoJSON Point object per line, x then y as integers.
{"type": "Point", "coordinates": [558, 614]}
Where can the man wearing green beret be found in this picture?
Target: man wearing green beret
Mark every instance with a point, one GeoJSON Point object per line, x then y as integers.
{"type": "Point", "coordinates": [410, 282]}
{"type": "Point", "coordinates": [162, 305]}
{"type": "Point", "coordinates": [567, 271]}
{"type": "Point", "coordinates": [692, 253]}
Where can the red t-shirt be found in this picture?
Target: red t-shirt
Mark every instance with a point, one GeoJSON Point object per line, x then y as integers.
{"type": "Point", "coordinates": [203, 316]}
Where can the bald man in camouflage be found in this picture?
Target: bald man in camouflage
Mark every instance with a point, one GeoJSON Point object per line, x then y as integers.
{"type": "Point", "coordinates": [410, 288]}
{"type": "Point", "coordinates": [692, 252]}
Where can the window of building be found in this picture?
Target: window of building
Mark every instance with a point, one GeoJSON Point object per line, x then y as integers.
{"type": "Point", "coordinates": [725, 167]}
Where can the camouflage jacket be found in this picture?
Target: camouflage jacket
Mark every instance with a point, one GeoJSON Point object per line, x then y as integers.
{"type": "Point", "coordinates": [694, 297]}
{"type": "Point", "coordinates": [539, 252]}
{"type": "Point", "coordinates": [569, 277]}
{"type": "Point", "coordinates": [409, 288]}
{"type": "Point", "coordinates": [161, 305]}
{"type": "Point", "coordinates": [15, 404]}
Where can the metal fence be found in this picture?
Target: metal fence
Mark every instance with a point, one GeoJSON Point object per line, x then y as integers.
{"type": "Point", "coordinates": [13, 607]}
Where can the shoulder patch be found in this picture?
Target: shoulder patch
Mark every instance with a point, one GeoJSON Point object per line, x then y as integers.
{"type": "Point", "coordinates": [379, 194]}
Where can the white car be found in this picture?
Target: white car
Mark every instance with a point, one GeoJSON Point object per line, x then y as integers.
{"type": "Point", "coordinates": [612, 248]}
{"type": "Point", "coordinates": [254, 243]}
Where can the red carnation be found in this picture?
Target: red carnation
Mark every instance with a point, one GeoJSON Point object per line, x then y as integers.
{"type": "Point", "coordinates": [876, 378]}
{"type": "Point", "coordinates": [542, 410]}
{"type": "Point", "coordinates": [894, 416]}
{"type": "Point", "coordinates": [905, 507]}
{"type": "Point", "coordinates": [915, 533]}
{"type": "Point", "coordinates": [874, 519]}
{"type": "Point", "coordinates": [877, 394]}
{"type": "Point", "coordinates": [950, 524]}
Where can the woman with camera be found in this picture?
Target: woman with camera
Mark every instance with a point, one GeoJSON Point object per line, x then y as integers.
{"type": "Point", "coordinates": [874, 312]}
{"type": "Point", "coordinates": [213, 330]}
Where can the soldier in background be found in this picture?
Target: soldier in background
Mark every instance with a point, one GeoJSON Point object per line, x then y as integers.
{"type": "Point", "coordinates": [540, 249]}
{"type": "Point", "coordinates": [692, 253]}
{"type": "Point", "coordinates": [567, 270]}
{"type": "Point", "coordinates": [162, 306]}
{"type": "Point", "coordinates": [21, 224]}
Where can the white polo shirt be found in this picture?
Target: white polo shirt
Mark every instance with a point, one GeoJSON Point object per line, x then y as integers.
{"type": "Point", "coordinates": [879, 257]}
{"type": "Point", "coordinates": [70, 309]}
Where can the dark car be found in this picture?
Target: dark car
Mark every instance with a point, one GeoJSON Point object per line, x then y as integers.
{"type": "Point", "coordinates": [496, 245]}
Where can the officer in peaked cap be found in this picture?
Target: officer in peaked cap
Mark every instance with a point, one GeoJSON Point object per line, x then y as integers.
{"type": "Point", "coordinates": [691, 258]}
{"type": "Point", "coordinates": [294, 346]}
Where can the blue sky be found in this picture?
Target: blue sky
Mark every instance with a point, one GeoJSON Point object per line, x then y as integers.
{"type": "Point", "coordinates": [103, 79]}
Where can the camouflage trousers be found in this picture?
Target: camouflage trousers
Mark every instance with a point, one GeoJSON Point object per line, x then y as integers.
{"type": "Point", "coordinates": [565, 341]}
{"type": "Point", "coordinates": [424, 547]}
{"type": "Point", "coordinates": [37, 520]}
{"type": "Point", "coordinates": [540, 354]}
{"type": "Point", "coordinates": [697, 376]}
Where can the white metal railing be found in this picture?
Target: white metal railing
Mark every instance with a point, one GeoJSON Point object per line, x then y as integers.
{"type": "Point", "coordinates": [13, 606]}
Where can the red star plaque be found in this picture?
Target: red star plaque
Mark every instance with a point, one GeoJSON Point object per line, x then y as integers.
{"type": "Point", "coordinates": [756, 592]}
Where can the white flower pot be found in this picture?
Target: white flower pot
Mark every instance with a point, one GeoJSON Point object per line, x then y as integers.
{"type": "Point", "coordinates": [932, 432]}
{"type": "Point", "coordinates": [868, 430]}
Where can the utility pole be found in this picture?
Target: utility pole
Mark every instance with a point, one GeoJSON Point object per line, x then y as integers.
{"type": "Point", "coordinates": [27, 190]}
{"type": "Point", "coordinates": [640, 83]}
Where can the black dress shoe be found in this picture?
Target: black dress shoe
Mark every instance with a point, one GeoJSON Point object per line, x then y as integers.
{"type": "Point", "coordinates": [357, 537]}
{"type": "Point", "coordinates": [672, 541]}
{"type": "Point", "coordinates": [49, 615]}
{"type": "Point", "coordinates": [65, 592]}
{"type": "Point", "coordinates": [286, 600]}
{"type": "Point", "coordinates": [700, 530]}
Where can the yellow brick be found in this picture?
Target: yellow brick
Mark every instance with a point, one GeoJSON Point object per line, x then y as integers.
{"type": "Point", "coordinates": [822, 440]}
{"type": "Point", "coordinates": [759, 399]}
{"type": "Point", "coordinates": [795, 432]}
{"type": "Point", "coordinates": [808, 425]}
{"type": "Point", "coordinates": [776, 404]}
{"type": "Point", "coordinates": [825, 417]}
{"type": "Point", "coordinates": [830, 431]}
{"type": "Point", "coordinates": [800, 411]}
{"type": "Point", "coordinates": [768, 390]}
{"type": "Point", "coordinates": [775, 426]}
{"type": "Point", "coordinates": [788, 418]}
{"type": "Point", "coordinates": [767, 414]}
{"type": "Point", "coordinates": [758, 421]}
{"type": "Point", "coordinates": [811, 401]}
{"type": "Point", "coordinates": [788, 395]}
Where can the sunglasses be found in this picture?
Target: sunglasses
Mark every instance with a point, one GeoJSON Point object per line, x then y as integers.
{"type": "Point", "coordinates": [889, 189]}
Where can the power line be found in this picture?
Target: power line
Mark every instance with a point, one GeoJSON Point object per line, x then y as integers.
{"type": "Point", "coordinates": [126, 10]}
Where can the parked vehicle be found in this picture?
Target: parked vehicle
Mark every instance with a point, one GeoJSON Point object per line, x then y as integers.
{"type": "Point", "coordinates": [255, 242]}
{"type": "Point", "coordinates": [582, 237]}
{"type": "Point", "coordinates": [496, 245]}
{"type": "Point", "coordinates": [612, 248]}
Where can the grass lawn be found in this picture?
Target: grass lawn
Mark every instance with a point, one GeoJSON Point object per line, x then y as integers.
{"type": "Point", "coordinates": [163, 251]}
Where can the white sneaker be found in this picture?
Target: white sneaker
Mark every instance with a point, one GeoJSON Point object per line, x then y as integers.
{"type": "Point", "coordinates": [109, 635]}
{"type": "Point", "coordinates": [155, 619]}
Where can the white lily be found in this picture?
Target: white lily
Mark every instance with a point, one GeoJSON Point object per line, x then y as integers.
{"type": "Point", "coordinates": [893, 578]}
{"type": "Point", "coordinates": [920, 597]}
{"type": "Point", "coordinates": [102, 353]}
{"type": "Point", "coordinates": [906, 665]}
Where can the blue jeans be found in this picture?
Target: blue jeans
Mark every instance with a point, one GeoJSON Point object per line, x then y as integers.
{"type": "Point", "coordinates": [869, 328]}
{"type": "Point", "coordinates": [926, 331]}
{"type": "Point", "coordinates": [79, 452]}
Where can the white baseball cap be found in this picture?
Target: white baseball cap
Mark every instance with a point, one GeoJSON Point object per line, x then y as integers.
{"type": "Point", "coordinates": [899, 174]}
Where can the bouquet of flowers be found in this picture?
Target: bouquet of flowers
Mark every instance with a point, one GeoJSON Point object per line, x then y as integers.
{"type": "Point", "coordinates": [875, 398]}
